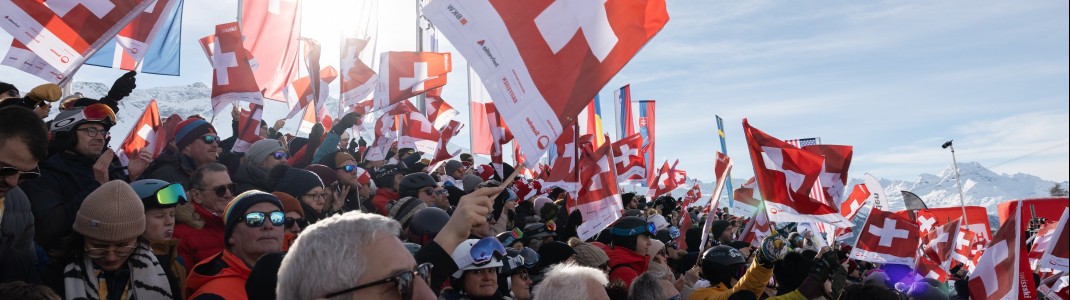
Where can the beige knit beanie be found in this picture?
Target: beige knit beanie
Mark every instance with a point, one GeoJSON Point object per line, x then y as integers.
{"type": "Point", "coordinates": [111, 213]}
{"type": "Point", "coordinates": [588, 255]}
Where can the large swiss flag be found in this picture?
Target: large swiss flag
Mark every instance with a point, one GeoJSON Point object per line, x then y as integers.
{"type": "Point", "coordinates": [272, 28]}
{"type": "Point", "coordinates": [886, 238]}
{"type": "Point", "coordinates": [232, 79]}
{"type": "Point", "coordinates": [407, 74]}
{"type": "Point", "coordinates": [1002, 272]}
{"type": "Point", "coordinates": [631, 167]}
{"type": "Point", "coordinates": [65, 33]}
{"type": "Point", "coordinates": [543, 61]}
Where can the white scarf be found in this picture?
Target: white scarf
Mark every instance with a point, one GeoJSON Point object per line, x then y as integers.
{"type": "Point", "coordinates": [146, 275]}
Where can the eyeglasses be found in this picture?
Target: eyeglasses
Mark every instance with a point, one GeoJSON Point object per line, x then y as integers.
{"type": "Point", "coordinates": [347, 168]}
{"type": "Point", "coordinates": [96, 253]}
{"type": "Point", "coordinates": [428, 191]}
{"type": "Point", "coordinates": [222, 190]}
{"type": "Point", "coordinates": [93, 132]}
{"type": "Point", "coordinates": [315, 195]}
{"type": "Point", "coordinates": [299, 221]}
{"type": "Point", "coordinates": [170, 195]}
{"type": "Point", "coordinates": [281, 155]}
{"type": "Point", "coordinates": [256, 218]}
{"type": "Point", "coordinates": [442, 192]}
{"type": "Point", "coordinates": [12, 171]}
{"type": "Point", "coordinates": [210, 139]}
{"type": "Point", "coordinates": [403, 279]}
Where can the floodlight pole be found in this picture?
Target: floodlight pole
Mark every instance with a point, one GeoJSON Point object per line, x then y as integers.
{"type": "Point", "coordinates": [958, 180]}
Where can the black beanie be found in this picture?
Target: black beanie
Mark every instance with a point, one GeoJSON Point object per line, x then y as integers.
{"type": "Point", "coordinates": [298, 182]}
{"type": "Point", "coordinates": [555, 252]}
{"type": "Point", "coordinates": [237, 207]}
{"type": "Point", "coordinates": [718, 228]}
{"type": "Point", "coordinates": [264, 277]}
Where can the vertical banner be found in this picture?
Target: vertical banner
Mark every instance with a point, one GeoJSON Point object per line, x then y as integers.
{"type": "Point", "coordinates": [622, 101]}
{"type": "Point", "coordinates": [877, 195]}
{"type": "Point", "coordinates": [728, 179]}
{"type": "Point", "coordinates": [646, 129]}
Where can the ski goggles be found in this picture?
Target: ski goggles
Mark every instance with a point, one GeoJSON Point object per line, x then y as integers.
{"type": "Point", "coordinates": [256, 218]}
{"type": "Point", "coordinates": [513, 236]}
{"type": "Point", "coordinates": [648, 229]}
{"type": "Point", "coordinates": [484, 251]}
{"type": "Point", "coordinates": [171, 194]}
{"type": "Point", "coordinates": [528, 257]}
{"type": "Point", "coordinates": [93, 113]}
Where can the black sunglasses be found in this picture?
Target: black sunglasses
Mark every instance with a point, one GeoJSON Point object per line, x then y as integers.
{"type": "Point", "coordinates": [222, 190]}
{"type": "Point", "coordinates": [299, 221]}
{"type": "Point", "coordinates": [281, 155]}
{"type": "Point", "coordinates": [347, 168]}
{"type": "Point", "coordinates": [11, 171]}
{"type": "Point", "coordinates": [256, 218]}
{"type": "Point", "coordinates": [210, 139]}
{"type": "Point", "coordinates": [403, 279]}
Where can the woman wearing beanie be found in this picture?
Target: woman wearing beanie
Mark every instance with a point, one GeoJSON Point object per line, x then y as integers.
{"type": "Point", "coordinates": [105, 258]}
{"type": "Point", "coordinates": [160, 199]}
{"type": "Point", "coordinates": [304, 186]}
{"type": "Point", "coordinates": [257, 163]}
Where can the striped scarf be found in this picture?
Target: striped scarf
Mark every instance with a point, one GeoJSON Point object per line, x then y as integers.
{"type": "Point", "coordinates": [148, 280]}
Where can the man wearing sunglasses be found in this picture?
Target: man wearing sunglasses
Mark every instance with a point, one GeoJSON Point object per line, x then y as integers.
{"type": "Point", "coordinates": [257, 163]}
{"type": "Point", "coordinates": [23, 142]}
{"type": "Point", "coordinates": [79, 162]}
{"type": "Point", "coordinates": [197, 143]}
{"type": "Point", "coordinates": [199, 227]}
{"type": "Point", "coordinates": [254, 226]}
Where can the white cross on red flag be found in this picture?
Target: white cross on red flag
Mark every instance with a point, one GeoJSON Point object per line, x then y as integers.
{"type": "Point", "coordinates": [1056, 255]}
{"type": "Point", "coordinates": [451, 130]}
{"type": "Point", "coordinates": [143, 134]}
{"type": "Point", "coordinates": [534, 60]}
{"type": "Point", "coordinates": [406, 74]}
{"type": "Point", "coordinates": [248, 127]}
{"type": "Point", "coordinates": [438, 111]}
{"type": "Point", "coordinates": [631, 167]}
{"type": "Point", "coordinates": [599, 199]}
{"type": "Point", "coordinates": [272, 29]}
{"type": "Point", "coordinates": [232, 79]}
{"type": "Point", "coordinates": [937, 248]}
{"type": "Point", "coordinates": [745, 204]}
{"type": "Point", "coordinates": [563, 172]}
{"type": "Point", "coordinates": [758, 229]}
{"type": "Point", "coordinates": [64, 33]}
{"type": "Point", "coordinates": [832, 180]}
{"type": "Point", "coordinates": [1003, 270]}
{"type": "Point", "coordinates": [692, 195]}
{"type": "Point", "coordinates": [664, 181]}
{"type": "Point", "coordinates": [886, 238]}
{"type": "Point", "coordinates": [786, 175]}
{"type": "Point", "coordinates": [358, 80]}
{"type": "Point", "coordinates": [849, 209]}
{"type": "Point", "coordinates": [721, 168]}
{"type": "Point", "coordinates": [964, 254]}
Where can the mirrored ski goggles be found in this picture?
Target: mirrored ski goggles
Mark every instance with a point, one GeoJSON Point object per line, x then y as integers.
{"type": "Point", "coordinates": [484, 251]}
{"type": "Point", "coordinates": [171, 194]}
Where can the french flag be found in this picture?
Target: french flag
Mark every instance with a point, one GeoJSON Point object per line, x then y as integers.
{"type": "Point", "coordinates": [154, 38]}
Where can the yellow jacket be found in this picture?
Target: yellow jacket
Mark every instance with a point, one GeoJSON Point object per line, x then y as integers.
{"type": "Point", "coordinates": [754, 280]}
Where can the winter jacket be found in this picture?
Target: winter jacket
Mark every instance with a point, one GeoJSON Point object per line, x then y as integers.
{"type": "Point", "coordinates": [167, 254]}
{"type": "Point", "coordinates": [624, 264]}
{"type": "Point", "coordinates": [754, 281]}
{"type": "Point", "coordinates": [200, 233]}
{"type": "Point", "coordinates": [223, 275]}
{"type": "Point", "coordinates": [17, 254]}
{"type": "Point", "coordinates": [171, 166]}
{"type": "Point", "coordinates": [250, 177]}
{"type": "Point", "coordinates": [66, 179]}
{"type": "Point", "coordinates": [381, 198]}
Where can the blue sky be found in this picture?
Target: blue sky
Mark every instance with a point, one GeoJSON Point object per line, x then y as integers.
{"type": "Point", "coordinates": [894, 79]}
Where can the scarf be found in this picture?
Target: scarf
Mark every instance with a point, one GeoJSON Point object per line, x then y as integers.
{"type": "Point", "coordinates": [148, 280]}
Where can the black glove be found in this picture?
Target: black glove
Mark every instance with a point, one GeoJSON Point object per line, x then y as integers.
{"type": "Point", "coordinates": [347, 121]}
{"type": "Point", "coordinates": [122, 87]}
{"type": "Point", "coordinates": [362, 142]}
{"type": "Point", "coordinates": [353, 146]}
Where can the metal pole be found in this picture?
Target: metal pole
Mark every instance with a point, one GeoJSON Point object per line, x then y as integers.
{"type": "Point", "coordinates": [420, 99]}
{"type": "Point", "coordinates": [958, 180]}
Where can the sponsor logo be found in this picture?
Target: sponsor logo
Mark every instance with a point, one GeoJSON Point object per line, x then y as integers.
{"type": "Point", "coordinates": [135, 50]}
{"type": "Point", "coordinates": [8, 18]}
{"type": "Point", "coordinates": [457, 14]}
{"type": "Point", "coordinates": [482, 45]}
{"type": "Point", "coordinates": [64, 59]}
{"type": "Point", "coordinates": [230, 29]}
{"type": "Point", "coordinates": [509, 89]}
{"type": "Point", "coordinates": [544, 141]}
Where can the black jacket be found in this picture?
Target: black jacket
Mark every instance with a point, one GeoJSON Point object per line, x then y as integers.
{"type": "Point", "coordinates": [17, 252]}
{"type": "Point", "coordinates": [171, 166]}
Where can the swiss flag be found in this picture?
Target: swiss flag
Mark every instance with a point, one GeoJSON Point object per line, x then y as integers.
{"type": "Point", "coordinates": [1056, 253]}
{"type": "Point", "coordinates": [976, 218]}
{"type": "Point", "coordinates": [964, 253]}
{"type": "Point", "coordinates": [63, 33]}
{"type": "Point", "coordinates": [745, 204]}
{"type": "Point", "coordinates": [680, 176]}
{"type": "Point", "coordinates": [407, 74]}
{"type": "Point", "coordinates": [785, 176]}
{"type": "Point", "coordinates": [358, 80]}
{"type": "Point", "coordinates": [248, 127]}
{"type": "Point", "coordinates": [135, 38]}
{"type": "Point", "coordinates": [317, 112]}
{"type": "Point", "coordinates": [272, 29]}
{"type": "Point", "coordinates": [849, 209]}
{"type": "Point", "coordinates": [143, 134]}
{"type": "Point", "coordinates": [721, 168]}
{"type": "Point", "coordinates": [232, 79]}
{"type": "Point", "coordinates": [758, 228]}
{"type": "Point", "coordinates": [886, 238]}
{"type": "Point", "coordinates": [630, 165]}
{"type": "Point", "coordinates": [451, 130]}
{"type": "Point", "coordinates": [694, 194]}
{"type": "Point", "coordinates": [665, 182]}
{"type": "Point", "coordinates": [599, 199]}
{"type": "Point", "coordinates": [385, 137]}
{"type": "Point", "coordinates": [1003, 270]}
{"type": "Point", "coordinates": [832, 180]}
{"type": "Point", "coordinates": [563, 172]}
{"type": "Point", "coordinates": [543, 70]}
{"type": "Point", "coordinates": [937, 249]}
{"type": "Point", "coordinates": [438, 111]}
{"type": "Point", "coordinates": [417, 132]}
{"type": "Point", "coordinates": [1041, 240]}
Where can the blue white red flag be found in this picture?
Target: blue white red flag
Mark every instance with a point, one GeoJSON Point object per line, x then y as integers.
{"type": "Point", "coordinates": [154, 38]}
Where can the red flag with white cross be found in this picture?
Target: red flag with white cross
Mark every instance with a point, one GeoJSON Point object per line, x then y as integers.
{"type": "Point", "coordinates": [1003, 270]}
{"type": "Point", "coordinates": [599, 198]}
{"type": "Point", "coordinates": [543, 61]}
{"type": "Point", "coordinates": [441, 152]}
{"type": "Point", "coordinates": [358, 80]}
{"type": "Point", "coordinates": [630, 165]}
{"type": "Point", "coordinates": [65, 33]}
{"type": "Point", "coordinates": [886, 238]}
{"type": "Point", "coordinates": [563, 171]}
{"type": "Point", "coordinates": [786, 176]}
{"type": "Point", "coordinates": [232, 79]}
{"type": "Point", "coordinates": [143, 134]}
{"type": "Point", "coordinates": [248, 127]}
{"type": "Point", "coordinates": [272, 29]}
{"type": "Point", "coordinates": [406, 74]}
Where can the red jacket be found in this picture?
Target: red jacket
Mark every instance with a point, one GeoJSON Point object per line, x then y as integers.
{"type": "Point", "coordinates": [624, 264]}
{"type": "Point", "coordinates": [196, 245]}
{"type": "Point", "coordinates": [223, 275]}
{"type": "Point", "coordinates": [381, 198]}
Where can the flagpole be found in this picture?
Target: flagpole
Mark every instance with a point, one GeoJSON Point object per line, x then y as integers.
{"type": "Point", "coordinates": [958, 179]}
{"type": "Point", "coordinates": [471, 139]}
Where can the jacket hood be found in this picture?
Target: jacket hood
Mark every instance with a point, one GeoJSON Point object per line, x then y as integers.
{"type": "Point", "coordinates": [223, 266]}
{"type": "Point", "coordinates": [624, 256]}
